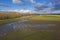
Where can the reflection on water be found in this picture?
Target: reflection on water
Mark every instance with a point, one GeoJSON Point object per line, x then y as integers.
{"type": "Point", "coordinates": [20, 25]}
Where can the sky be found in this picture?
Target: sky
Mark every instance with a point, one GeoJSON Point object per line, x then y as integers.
{"type": "Point", "coordinates": [38, 6]}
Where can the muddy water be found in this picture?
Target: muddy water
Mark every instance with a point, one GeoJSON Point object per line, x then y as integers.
{"type": "Point", "coordinates": [20, 25]}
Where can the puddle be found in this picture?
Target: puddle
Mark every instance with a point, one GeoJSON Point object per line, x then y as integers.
{"type": "Point", "coordinates": [20, 25]}
{"type": "Point", "coordinates": [43, 25]}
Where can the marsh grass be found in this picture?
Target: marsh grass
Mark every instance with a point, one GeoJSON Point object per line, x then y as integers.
{"type": "Point", "coordinates": [31, 35]}
{"type": "Point", "coordinates": [45, 17]}
{"type": "Point", "coordinates": [37, 34]}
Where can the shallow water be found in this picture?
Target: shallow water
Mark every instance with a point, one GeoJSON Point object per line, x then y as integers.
{"type": "Point", "coordinates": [20, 25]}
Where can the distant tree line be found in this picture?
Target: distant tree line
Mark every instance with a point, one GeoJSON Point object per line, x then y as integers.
{"type": "Point", "coordinates": [8, 15]}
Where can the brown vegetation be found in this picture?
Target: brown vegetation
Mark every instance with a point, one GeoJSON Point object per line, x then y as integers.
{"type": "Point", "coordinates": [8, 15]}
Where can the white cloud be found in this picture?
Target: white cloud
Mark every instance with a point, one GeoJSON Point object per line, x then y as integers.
{"type": "Point", "coordinates": [17, 2]}
{"type": "Point", "coordinates": [40, 6]}
{"type": "Point", "coordinates": [56, 1]}
{"type": "Point", "coordinates": [32, 1]}
{"type": "Point", "coordinates": [56, 4]}
{"type": "Point", "coordinates": [57, 11]}
{"type": "Point", "coordinates": [45, 11]}
{"type": "Point", "coordinates": [20, 11]}
{"type": "Point", "coordinates": [25, 11]}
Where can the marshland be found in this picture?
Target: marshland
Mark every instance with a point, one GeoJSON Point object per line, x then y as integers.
{"type": "Point", "coordinates": [29, 19]}
{"type": "Point", "coordinates": [30, 27]}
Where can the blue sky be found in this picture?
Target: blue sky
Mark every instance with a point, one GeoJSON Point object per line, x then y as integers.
{"type": "Point", "coordinates": [26, 5]}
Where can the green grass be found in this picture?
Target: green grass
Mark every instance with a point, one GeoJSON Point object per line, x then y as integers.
{"type": "Point", "coordinates": [7, 21]}
{"type": "Point", "coordinates": [36, 35]}
{"type": "Point", "coordinates": [46, 20]}
{"type": "Point", "coordinates": [40, 36]}
{"type": "Point", "coordinates": [13, 19]}
{"type": "Point", "coordinates": [51, 18]}
{"type": "Point", "coordinates": [31, 35]}
{"type": "Point", "coordinates": [17, 35]}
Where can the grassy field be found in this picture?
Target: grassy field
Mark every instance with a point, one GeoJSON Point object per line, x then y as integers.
{"type": "Point", "coordinates": [7, 21]}
{"type": "Point", "coordinates": [46, 20]}
{"type": "Point", "coordinates": [30, 35]}
{"type": "Point", "coordinates": [46, 17]}
{"type": "Point", "coordinates": [36, 34]}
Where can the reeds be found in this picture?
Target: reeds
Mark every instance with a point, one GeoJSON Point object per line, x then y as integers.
{"type": "Point", "coordinates": [8, 15]}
